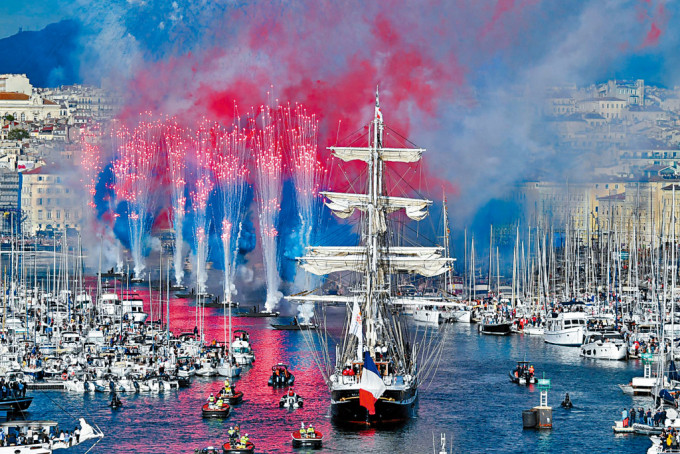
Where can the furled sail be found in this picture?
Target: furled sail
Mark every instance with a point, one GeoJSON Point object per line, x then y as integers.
{"type": "Point", "coordinates": [343, 204]}
{"type": "Point", "coordinates": [426, 261]}
{"type": "Point", "coordinates": [385, 154]}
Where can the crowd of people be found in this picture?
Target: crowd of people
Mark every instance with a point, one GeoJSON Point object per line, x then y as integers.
{"type": "Point", "coordinates": [630, 417]}
{"type": "Point", "coordinates": [22, 436]}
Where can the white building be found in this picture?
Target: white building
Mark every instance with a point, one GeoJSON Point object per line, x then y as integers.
{"type": "Point", "coordinates": [25, 108]}
{"type": "Point", "coordinates": [15, 83]}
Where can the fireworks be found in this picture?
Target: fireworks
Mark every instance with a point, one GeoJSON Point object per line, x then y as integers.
{"type": "Point", "coordinates": [206, 141]}
{"type": "Point", "coordinates": [134, 170]}
{"type": "Point", "coordinates": [176, 149]}
{"type": "Point", "coordinates": [230, 176]}
{"type": "Point", "coordinates": [268, 167]}
{"type": "Point", "coordinates": [201, 173]}
{"type": "Point", "coordinates": [299, 131]}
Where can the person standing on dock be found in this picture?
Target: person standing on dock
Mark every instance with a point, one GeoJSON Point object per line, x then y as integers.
{"type": "Point", "coordinates": [624, 417]}
{"type": "Point", "coordinates": [632, 416]}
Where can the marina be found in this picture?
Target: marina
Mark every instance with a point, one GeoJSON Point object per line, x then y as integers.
{"type": "Point", "coordinates": [466, 366]}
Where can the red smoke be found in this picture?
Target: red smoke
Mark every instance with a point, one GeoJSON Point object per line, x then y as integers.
{"type": "Point", "coordinates": [292, 56]}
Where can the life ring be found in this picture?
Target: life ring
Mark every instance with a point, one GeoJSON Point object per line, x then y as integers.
{"type": "Point", "coordinates": [64, 376]}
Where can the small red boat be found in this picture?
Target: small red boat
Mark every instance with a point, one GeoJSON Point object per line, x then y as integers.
{"type": "Point", "coordinates": [229, 448]}
{"type": "Point", "coordinates": [215, 411]}
{"type": "Point", "coordinates": [314, 440]}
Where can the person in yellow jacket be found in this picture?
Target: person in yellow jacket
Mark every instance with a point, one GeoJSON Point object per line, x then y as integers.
{"type": "Point", "coordinates": [303, 431]}
{"type": "Point", "coordinates": [310, 431]}
{"type": "Point", "coordinates": [220, 403]}
{"type": "Point", "coordinates": [669, 440]}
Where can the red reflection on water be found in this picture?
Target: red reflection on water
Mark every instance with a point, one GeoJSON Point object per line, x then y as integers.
{"type": "Point", "coordinates": [173, 423]}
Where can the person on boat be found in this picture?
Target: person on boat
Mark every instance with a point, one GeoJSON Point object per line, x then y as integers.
{"type": "Point", "coordinates": [303, 431]}
{"type": "Point", "coordinates": [211, 399]}
{"type": "Point", "coordinates": [531, 370]}
{"type": "Point", "coordinates": [232, 435]}
{"type": "Point", "coordinates": [311, 433]}
{"type": "Point", "coordinates": [220, 403]}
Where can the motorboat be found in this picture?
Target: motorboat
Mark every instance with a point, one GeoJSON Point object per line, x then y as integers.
{"type": "Point", "coordinates": [281, 376]}
{"type": "Point", "coordinates": [497, 327]}
{"type": "Point", "coordinates": [240, 348]}
{"type": "Point", "coordinates": [291, 400]}
{"type": "Point", "coordinates": [566, 329]}
{"type": "Point", "coordinates": [208, 450]}
{"type": "Point", "coordinates": [427, 314]}
{"type": "Point", "coordinates": [233, 397]}
{"type": "Point", "coordinates": [216, 411]}
{"type": "Point", "coordinates": [531, 330]}
{"type": "Point", "coordinates": [604, 345]}
{"type": "Point", "coordinates": [238, 448]}
{"type": "Point", "coordinates": [312, 440]}
{"type": "Point", "coordinates": [229, 369]}
{"type": "Point", "coordinates": [523, 374]}
{"type": "Point", "coordinates": [256, 313]}
{"type": "Point", "coordinates": [206, 368]}
{"type": "Point", "coordinates": [294, 325]}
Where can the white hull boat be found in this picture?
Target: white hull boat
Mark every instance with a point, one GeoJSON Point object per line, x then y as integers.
{"type": "Point", "coordinates": [607, 345]}
{"type": "Point", "coordinates": [567, 329]}
{"type": "Point", "coordinates": [429, 316]}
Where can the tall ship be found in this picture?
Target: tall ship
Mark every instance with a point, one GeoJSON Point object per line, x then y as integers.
{"type": "Point", "coordinates": [377, 370]}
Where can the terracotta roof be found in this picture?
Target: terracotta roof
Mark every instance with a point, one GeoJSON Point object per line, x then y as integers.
{"type": "Point", "coordinates": [11, 96]}
{"type": "Point", "coordinates": [49, 103]}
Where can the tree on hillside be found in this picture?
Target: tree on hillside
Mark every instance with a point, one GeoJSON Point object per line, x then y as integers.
{"type": "Point", "coordinates": [18, 134]}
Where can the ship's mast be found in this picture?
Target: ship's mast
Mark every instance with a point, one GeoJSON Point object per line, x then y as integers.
{"type": "Point", "coordinates": [375, 238]}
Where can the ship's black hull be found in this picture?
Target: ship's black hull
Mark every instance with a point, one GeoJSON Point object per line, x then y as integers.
{"type": "Point", "coordinates": [393, 408]}
{"type": "Point", "coordinates": [18, 404]}
{"type": "Point", "coordinates": [497, 329]}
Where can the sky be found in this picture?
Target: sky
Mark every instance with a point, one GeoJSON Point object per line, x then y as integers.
{"type": "Point", "coordinates": [20, 14]}
{"type": "Point", "coordinates": [463, 79]}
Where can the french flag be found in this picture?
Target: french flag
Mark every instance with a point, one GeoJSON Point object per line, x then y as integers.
{"type": "Point", "coordinates": [371, 386]}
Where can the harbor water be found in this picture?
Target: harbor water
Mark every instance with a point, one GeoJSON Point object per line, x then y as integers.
{"type": "Point", "coordinates": [471, 399]}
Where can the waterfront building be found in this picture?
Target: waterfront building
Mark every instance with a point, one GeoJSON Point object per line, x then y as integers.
{"type": "Point", "coordinates": [49, 201]}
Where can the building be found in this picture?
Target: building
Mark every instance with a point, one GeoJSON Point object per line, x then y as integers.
{"type": "Point", "coordinates": [632, 91]}
{"type": "Point", "coordinates": [28, 108]}
{"type": "Point", "coordinates": [10, 202]}
{"type": "Point", "coordinates": [15, 83]}
{"type": "Point", "coordinates": [49, 201]}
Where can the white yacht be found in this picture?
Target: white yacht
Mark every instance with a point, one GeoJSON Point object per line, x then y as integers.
{"type": "Point", "coordinates": [567, 328]}
{"type": "Point", "coordinates": [110, 306]}
{"type": "Point", "coordinates": [427, 314]}
{"type": "Point", "coordinates": [604, 345]}
{"type": "Point", "coordinates": [240, 348]}
{"type": "Point", "coordinates": [133, 308]}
